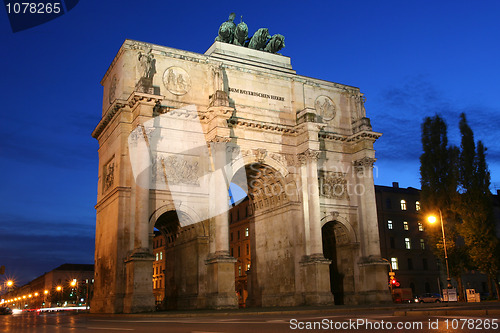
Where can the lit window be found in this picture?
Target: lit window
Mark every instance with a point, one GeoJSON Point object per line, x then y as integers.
{"type": "Point", "coordinates": [156, 256]}
{"type": "Point", "coordinates": [407, 244]}
{"type": "Point", "coordinates": [239, 270]}
{"type": "Point", "coordinates": [389, 224]}
{"type": "Point", "coordinates": [417, 206]}
{"type": "Point", "coordinates": [403, 204]}
{"type": "Point", "coordinates": [422, 244]}
{"type": "Point", "coordinates": [248, 267]}
{"type": "Point", "coordinates": [394, 264]}
{"type": "Point", "coordinates": [161, 255]}
{"type": "Point", "coordinates": [420, 227]}
{"type": "Point", "coordinates": [246, 232]}
{"type": "Point", "coordinates": [405, 225]}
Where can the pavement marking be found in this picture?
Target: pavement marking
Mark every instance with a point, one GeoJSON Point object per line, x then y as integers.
{"type": "Point", "coordinates": [111, 328]}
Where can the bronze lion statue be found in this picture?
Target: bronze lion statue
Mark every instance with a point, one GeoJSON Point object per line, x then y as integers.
{"type": "Point", "coordinates": [259, 39]}
{"type": "Point", "coordinates": [276, 43]}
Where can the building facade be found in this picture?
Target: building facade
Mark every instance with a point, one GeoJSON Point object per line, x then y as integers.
{"type": "Point", "coordinates": [68, 285]}
{"type": "Point", "coordinates": [239, 247]}
{"type": "Point", "coordinates": [403, 241]}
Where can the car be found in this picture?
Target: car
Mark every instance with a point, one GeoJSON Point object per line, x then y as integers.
{"type": "Point", "coordinates": [5, 310]}
{"type": "Point", "coordinates": [428, 298]}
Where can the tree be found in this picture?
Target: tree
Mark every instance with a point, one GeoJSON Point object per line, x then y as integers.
{"type": "Point", "coordinates": [439, 182]}
{"type": "Point", "coordinates": [475, 206]}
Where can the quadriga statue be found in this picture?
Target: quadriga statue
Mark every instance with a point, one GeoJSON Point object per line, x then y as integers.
{"type": "Point", "coordinates": [226, 30]}
{"type": "Point", "coordinates": [240, 34]}
{"type": "Point", "coordinates": [259, 39]}
{"type": "Point", "coordinates": [276, 43]}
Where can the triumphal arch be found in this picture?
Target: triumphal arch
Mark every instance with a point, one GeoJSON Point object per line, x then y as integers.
{"type": "Point", "coordinates": [179, 127]}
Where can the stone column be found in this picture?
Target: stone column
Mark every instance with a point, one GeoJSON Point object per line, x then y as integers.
{"type": "Point", "coordinates": [139, 263]}
{"type": "Point", "coordinates": [372, 269]}
{"type": "Point", "coordinates": [368, 225]}
{"type": "Point", "coordinates": [315, 268]}
{"type": "Point", "coordinates": [220, 270]}
{"type": "Point", "coordinates": [309, 160]}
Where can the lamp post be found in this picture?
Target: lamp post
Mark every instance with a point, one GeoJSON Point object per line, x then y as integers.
{"type": "Point", "coordinates": [432, 219]}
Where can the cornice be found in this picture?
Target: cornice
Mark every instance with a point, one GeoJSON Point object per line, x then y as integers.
{"type": "Point", "coordinates": [261, 125]}
{"type": "Point", "coordinates": [114, 108]}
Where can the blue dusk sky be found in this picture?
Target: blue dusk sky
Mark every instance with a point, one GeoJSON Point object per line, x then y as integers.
{"type": "Point", "coordinates": [411, 59]}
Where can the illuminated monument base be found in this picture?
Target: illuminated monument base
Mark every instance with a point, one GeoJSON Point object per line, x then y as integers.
{"type": "Point", "coordinates": [178, 127]}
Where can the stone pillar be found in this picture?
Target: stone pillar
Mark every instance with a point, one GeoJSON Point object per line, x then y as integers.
{"type": "Point", "coordinates": [369, 237]}
{"type": "Point", "coordinates": [372, 269]}
{"type": "Point", "coordinates": [138, 265]}
{"type": "Point", "coordinates": [309, 160]}
{"type": "Point", "coordinates": [220, 270]}
{"type": "Point", "coordinates": [315, 268]}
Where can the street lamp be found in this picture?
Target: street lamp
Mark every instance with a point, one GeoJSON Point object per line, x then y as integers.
{"type": "Point", "coordinates": [432, 219]}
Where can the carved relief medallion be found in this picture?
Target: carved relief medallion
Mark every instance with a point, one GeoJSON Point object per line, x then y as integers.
{"type": "Point", "coordinates": [112, 89]}
{"type": "Point", "coordinates": [325, 107]}
{"type": "Point", "coordinates": [176, 80]}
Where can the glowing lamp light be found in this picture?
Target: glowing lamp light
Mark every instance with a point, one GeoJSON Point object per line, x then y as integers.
{"type": "Point", "coordinates": [36, 294]}
{"type": "Point", "coordinates": [10, 283]}
{"type": "Point", "coordinates": [58, 288]}
{"type": "Point", "coordinates": [45, 291]}
{"type": "Point", "coordinates": [30, 295]}
{"type": "Point", "coordinates": [432, 219]}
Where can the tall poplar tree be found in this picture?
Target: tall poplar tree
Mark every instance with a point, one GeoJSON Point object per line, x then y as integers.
{"type": "Point", "coordinates": [475, 206]}
{"type": "Point", "coordinates": [439, 182]}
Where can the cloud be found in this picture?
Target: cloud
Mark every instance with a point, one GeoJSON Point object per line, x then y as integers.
{"type": "Point", "coordinates": [399, 111]}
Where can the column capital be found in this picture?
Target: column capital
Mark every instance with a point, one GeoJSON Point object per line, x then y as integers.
{"type": "Point", "coordinates": [363, 163]}
{"type": "Point", "coordinates": [309, 155]}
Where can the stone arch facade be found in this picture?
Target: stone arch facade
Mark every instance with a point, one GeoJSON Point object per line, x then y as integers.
{"type": "Point", "coordinates": [229, 109]}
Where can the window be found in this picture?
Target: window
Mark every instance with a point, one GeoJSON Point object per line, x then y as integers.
{"type": "Point", "coordinates": [405, 225]}
{"type": "Point", "coordinates": [389, 224]}
{"type": "Point", "coordinates": [407, 244]}
{"type": "Point", "coordinates": [156, 256]}
{"type": "Point", "coordinates": [394, 264]}
{"type": "Point", "coordinates": [417, 206]}
{"type": "Point", "coordinates": [410, 264]}
{"type": "Point", "coordinates": [248, 249]}
{"type": "Point", "coordinates": [231, 237]}
{"type": "Point", "coordinates": [424, 263]}
{"type": "Point", "coordinates": [246, 232]}
{"type": "Point", "coordinates": [238, 234]}
{"type": "Point", "coordinates": [239, 252]}
{"type": "Point", "coordinates": [239, 270]}
{"type": "Point", "coordinates": [422, 244]}
{"type": "Point", "coordinates": [232, 252]}
{"type": "Point", "coordinates": [248, 266]}
{"type": "Point", "coordinates": [403, 204]}
{"type": "Point", "coordinates": [392, 242]}
{"type": "Point", "coordinates": [161, 255]}
{"type": "Point", "coordinates": [420, 227]}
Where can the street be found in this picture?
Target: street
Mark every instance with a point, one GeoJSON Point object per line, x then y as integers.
{"type": "Point", "coordinates": [358, 320]}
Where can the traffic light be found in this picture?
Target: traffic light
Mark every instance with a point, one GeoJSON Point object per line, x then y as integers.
{"type": "Point", "coordinates": [394, 282]}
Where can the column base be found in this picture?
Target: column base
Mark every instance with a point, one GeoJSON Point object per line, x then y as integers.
{"type": "Point", "coordinates": [373, 287]}
{"type": "Point", "coordinates": [139, 289]}
{"type": "Point", "coordinates": [220, 276]}
{"type": "Point", "coordinates": [316, 277]}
